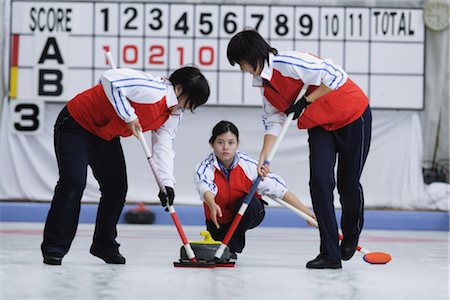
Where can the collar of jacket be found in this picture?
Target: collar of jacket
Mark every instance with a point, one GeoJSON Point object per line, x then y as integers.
{"type": "Point", "coordinates": [266, 72]}
{"type": "Point", "coordinates": [171, 97]}
{"type": "Point", "coordinates": [219, 166]}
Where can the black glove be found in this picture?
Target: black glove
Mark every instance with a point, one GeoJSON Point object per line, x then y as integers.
{"type": "Point", "coordinates": [297, 108]}
{"type": "Point", "coordinates": [170, 196]}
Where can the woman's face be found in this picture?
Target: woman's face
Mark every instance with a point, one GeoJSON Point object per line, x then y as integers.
{"type": "Point", "coordinates": [225, 147]}
{"type": "Point", "coordinates": [246, 67]}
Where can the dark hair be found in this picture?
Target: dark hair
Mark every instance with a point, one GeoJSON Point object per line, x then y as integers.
{"type": "Point", "coordinates": [249, 46]}
{"type": "Point", "coordinates": [223, 127]}
{"type": "Point", "coordinates": [194, 85]}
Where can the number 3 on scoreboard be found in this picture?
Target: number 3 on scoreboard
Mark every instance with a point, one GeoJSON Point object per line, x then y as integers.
{"type": "Point", "coordinates": [26, 117]}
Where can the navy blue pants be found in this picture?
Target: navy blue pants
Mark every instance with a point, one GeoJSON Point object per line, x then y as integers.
{"type": "Point", "coordinates": [76, 149]}
{"type": "Point", "coordinates": [252, 217]}
{"type": "Point", "coordinates": [350, 146]}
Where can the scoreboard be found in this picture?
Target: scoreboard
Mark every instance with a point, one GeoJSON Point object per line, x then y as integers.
{"type": "Point", "coordinates": [57, 48]}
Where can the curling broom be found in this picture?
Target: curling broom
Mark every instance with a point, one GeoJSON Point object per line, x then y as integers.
{"type": "Point", "coordinates": [375, 258]}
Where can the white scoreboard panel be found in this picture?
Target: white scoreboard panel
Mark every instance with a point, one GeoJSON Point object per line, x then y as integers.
{"type": "Point", "coordinates": [57, 48]}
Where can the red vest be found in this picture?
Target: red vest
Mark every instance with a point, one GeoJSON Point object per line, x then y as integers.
{"type": "Point", "coordinates": [331, 111]}
{"type": "Point", "coordinates": [93, 111]}
{"type": "Point", "coordinates": [228, 193]}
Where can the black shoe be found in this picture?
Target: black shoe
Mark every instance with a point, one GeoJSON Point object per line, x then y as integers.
{"type": "Point", "coordinates": [233, 255]}
{"type": "Point", "coordinates": [113, 257]}
{"type": "Point", "coordinates": [348, 247]}
{"type": "Point", "coordinates": [321, 263]}
{"type": "Point", "coordinates": [52, 259]}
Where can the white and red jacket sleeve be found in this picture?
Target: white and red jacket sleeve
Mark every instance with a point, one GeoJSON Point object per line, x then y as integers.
{"type": "Point", "coordinates": [163, 153]}
{"type": "Point", "coordinates": [272, 118]}
{"type": "Point", "coordinates": [204, 176]}
{"type": "Point", "coordinates": [308, 68]}
{"type": "Point", "coordinates": [124, 85]}
{"type": "Point", "coordinates": [121, 85]}
{"type": "Point", "coordinates": [273, 185]}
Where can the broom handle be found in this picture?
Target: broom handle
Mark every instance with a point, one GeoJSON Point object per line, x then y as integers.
{"type": "Point", "coordinates": [310, 219]}
{"type": "Point", "coordinates": [151, 162]}
{"type": "Point", "coordinates": [110, 60]}
{"type": "Point", "coordinates": [189, 252]}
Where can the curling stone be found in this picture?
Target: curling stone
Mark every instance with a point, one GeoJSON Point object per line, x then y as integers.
{"type": "Point", "coordinates": [140, 215]}
{"type": "Point", "coordinates": [205, 250]}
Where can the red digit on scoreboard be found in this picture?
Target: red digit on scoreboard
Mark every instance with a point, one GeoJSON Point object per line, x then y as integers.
{"type": "Point", "coordinates": [206, 55]}
{"type": "Point", "coordinates": [130, 54]}
{"type": "Point", "coordinates": [156, 51]}
{"type": "Point", "coordinates": [106, 49]}
{"type": "Point", "coordinates": [181, 50]}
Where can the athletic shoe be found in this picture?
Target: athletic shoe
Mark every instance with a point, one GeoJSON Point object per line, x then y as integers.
{"type": "Point", "coordinates": [113, 257]}
{"type": "Point", "coordinates": [321, 263]}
